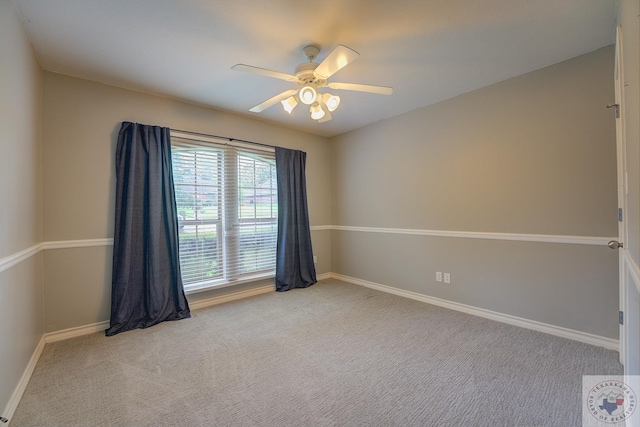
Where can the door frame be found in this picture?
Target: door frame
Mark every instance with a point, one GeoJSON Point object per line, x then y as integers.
{"type": "Point", "coordinates": [621, 174]}
{"type": "Point", "coordinates": [625, 327]}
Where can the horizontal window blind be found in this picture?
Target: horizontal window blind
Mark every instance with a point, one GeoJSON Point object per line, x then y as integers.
{"type": "Point", "coordinates": [227, 211]}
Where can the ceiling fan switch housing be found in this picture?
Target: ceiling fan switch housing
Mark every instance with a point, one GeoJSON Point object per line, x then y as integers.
{"type": "Point", "coordinates": [311, 52]}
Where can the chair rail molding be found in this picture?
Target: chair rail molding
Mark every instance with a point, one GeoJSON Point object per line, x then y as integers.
{"type": "Point", "coordinates": [17, 257]}
{"type": "Point", "coordinates": [518, 237]}
{"type": "Point", "coordinates": [11, 260]}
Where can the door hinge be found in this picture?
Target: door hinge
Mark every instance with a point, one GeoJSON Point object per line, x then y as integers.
{"type": "Point", "coordinates": [621, 317]}
{"type": "Point", "coordinates": [619, 214]}
{"type": "Point", "coordinates": [617, 108]}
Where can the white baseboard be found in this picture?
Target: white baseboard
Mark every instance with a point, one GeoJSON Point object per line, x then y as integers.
{"type": "Point", "coordinates": [323, 276]}
{"type": "Point", "coordinates": [609, 343]}
{"type": "Point", "coordinates": [24, 381]}
{"type": "Point", "coordinates": [79, 331]}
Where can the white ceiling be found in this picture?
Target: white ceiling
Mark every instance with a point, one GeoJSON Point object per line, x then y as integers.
{"type": "Point", "coordinates": [427, 50]}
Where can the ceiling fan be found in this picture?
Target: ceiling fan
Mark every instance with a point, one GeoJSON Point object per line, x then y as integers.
{"type": "Point", "coordinates": [311, 76]}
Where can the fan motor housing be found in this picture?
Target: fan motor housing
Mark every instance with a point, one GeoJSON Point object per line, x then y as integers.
{"type": "Point", "coordinates": [304, 72]}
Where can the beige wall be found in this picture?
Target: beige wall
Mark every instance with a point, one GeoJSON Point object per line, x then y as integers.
{"type": "Point", "coordinates": [522, 156]}
{"type": "Point", "coordinates": [20, 98]}
{"type": "Point", "coordinates": [81, 122]}
{"type": "Point", "coordinates": [531, 155]}
{"type": "Point", "coordinates": [20, 206]}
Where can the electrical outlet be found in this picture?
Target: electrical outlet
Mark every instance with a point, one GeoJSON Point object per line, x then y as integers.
{"type": "Point", "coordinates": [315, 259]}
{"type": "Point", "coordinates": [447, 278]}
{"type": "Point", "coordinates": [438, 276]}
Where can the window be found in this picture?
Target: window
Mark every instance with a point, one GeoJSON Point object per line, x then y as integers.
{"type": "Point", "coordinates": [227, 211]}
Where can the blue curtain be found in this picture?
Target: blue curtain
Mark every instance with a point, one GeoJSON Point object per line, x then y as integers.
{"type": "Point", "coordinates": [294, 254]}
{"type": "Point", "coordinates": [146, 279]}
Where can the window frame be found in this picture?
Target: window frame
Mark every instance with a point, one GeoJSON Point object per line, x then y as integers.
{"type": "Point", "coordinates": [230, 219]}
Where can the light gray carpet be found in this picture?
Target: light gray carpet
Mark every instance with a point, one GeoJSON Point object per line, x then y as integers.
{"type": "Point", "coordinates": [334, 354]}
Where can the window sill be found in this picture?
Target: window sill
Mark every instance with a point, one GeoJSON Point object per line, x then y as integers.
{"type": "Point", "coordinates": [215, 284]}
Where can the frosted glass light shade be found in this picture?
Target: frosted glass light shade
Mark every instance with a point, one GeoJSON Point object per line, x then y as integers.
{"type": "Point", "coordinates": [316, 112]}
{"type": "Point", "coordinates": [307, 95]}
{"type": "Point", "coordinates": [289, 104]}
{"type": "Point", "coordinates": [331, 101]}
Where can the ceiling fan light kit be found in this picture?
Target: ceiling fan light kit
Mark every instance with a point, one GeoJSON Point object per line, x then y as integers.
{"type": "Point", "coordinates": [312, 76]}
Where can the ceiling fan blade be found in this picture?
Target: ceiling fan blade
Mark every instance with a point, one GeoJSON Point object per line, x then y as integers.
{"type": "Point", "coordinates": [381, 90]}
{"type": "Point", "coordinates": [265, 72]}
{"type": "Point", "coordinates": [335, 61]}
{"type": "Point", "coordinates": [269, 102]}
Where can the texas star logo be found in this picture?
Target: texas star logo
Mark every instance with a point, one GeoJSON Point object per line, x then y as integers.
{"type": "Point", "coordinates": [611, 401]}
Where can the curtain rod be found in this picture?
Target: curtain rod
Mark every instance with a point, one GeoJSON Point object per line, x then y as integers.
{"type": "Point", "coordinates": [224, 137]}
